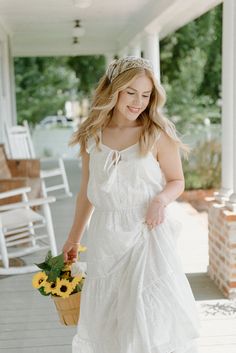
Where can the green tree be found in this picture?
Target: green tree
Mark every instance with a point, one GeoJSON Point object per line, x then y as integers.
{"type": "Point", "coordinates": [191, 71]}
{"type": "Point", "coordinates": [88, 69]}
{"type": "Point", "coordinates": [211, 83]}
{"type": "Point", "coordinates": [43, 85]}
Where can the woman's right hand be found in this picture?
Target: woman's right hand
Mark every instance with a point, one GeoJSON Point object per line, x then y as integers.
{"type": "Point", "coordinates": [70, 251]}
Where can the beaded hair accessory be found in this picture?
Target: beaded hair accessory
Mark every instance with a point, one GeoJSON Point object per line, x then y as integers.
{"type": "Point", "coordinates": [118, 66]}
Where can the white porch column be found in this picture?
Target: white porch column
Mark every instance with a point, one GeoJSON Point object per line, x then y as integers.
{"type": "Point", "coordinates": [135, 49]}
{"type": "Point", "coordinates": [7, 90]}
{"type": "Point", "coordinates": [12, 86]}
{"type": "Point", "coordinates": [227, 103]}
{"type": "Point", "coordinates": [152, 51]}
{"type": "Point", "coordinates": [123, 52]}
{"type": "Point", "coordinates": [230, 6]}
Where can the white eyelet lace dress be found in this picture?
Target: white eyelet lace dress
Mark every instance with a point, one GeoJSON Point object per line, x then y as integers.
{"type": "Point", "coordinates": [136, 297]}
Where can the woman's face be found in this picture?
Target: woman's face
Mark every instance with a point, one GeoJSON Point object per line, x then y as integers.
{"type": "Point", "coordinates": [134, 99]}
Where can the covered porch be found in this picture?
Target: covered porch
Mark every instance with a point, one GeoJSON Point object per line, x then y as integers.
{"type": "Point", "coordinates": [135, 28]}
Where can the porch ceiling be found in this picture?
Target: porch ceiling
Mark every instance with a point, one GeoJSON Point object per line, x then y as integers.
{"type": "Point", "coordinates": [44, 28]}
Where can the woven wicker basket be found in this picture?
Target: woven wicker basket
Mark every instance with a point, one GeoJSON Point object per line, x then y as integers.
{"type": "Point", "coordinates": [68, 309]}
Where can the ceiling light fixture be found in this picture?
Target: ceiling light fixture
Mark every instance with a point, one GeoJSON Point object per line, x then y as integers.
{"type": "Point", "coordinates": [83, 4]}
{"type": "Point", "coordinates": [78, 31]}
{"type": "Point", "coordinates": [75, 40]}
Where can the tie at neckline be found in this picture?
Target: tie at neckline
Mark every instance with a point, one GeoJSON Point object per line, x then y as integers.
{"type": "Point", "coordinates": [110, 161]}
{"type": "Point", "coordinates": [110, 168]}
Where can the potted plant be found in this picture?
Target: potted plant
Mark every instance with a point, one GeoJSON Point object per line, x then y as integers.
{"type": "Point", "coordinates": [63, 282]}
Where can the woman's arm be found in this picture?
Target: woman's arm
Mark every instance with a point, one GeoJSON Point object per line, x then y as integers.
{"type": "Point", "coordinates": [169, 159]}
{"type": "Point", "coordinates": [83, 210]}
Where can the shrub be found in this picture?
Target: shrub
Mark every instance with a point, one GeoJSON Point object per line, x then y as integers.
{"type": "Point", "coordinates": [203, 169]}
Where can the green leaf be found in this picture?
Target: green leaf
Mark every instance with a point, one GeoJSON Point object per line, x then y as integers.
{"type": "Point", "coordinates": [56, 262]}
{"type": "Point", "coordinates": [48, 256]}
{"type": "Point", "coordinates": [52, 266]}
{"type": "Point", "coordinates": [53, 274]}
{"type": "Point", "coordinates": [44, 266]}
{"type": "Point", "coordinates": [79, 287]}
{"type": "Point", "coordinates": [41, 290]}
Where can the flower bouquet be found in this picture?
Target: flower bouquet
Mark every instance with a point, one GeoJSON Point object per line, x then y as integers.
{"type": "Point", "coordinates": [63, 282]}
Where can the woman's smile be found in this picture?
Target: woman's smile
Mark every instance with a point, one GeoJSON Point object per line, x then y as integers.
{"type": "Point", "coordinates": [134, 110]}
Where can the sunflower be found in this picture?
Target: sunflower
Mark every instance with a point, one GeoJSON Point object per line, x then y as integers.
{"type": "Point", "coordinates": [76, 280]}
{"type": "Point", "coordinates": [66, 268]}
{"type": "Point", "coordinates": [63, 288]}
{"type": "Point", "coordinates": [39, 279]}
{"type": "Point", "coordinates": [82, 248]}
{"type": "Point", "coordinates": [66, 275]}
{"type": "Point", "coordinates": [50, 287]}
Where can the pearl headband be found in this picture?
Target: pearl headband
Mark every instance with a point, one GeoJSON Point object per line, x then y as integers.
{"type": "Point", "coordinates": [118, 66]}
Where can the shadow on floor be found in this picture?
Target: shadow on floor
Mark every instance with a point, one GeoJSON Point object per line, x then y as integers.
{"type": "Point", "coordinates": [203, 287]}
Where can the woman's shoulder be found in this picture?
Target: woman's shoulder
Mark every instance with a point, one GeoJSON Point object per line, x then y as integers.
{"type": "Point", "coordinates": [163, 141]}
{"type": "Point", "coordinates": [91, 142]}
{"type": "Point", "coordinates": [158, 135]}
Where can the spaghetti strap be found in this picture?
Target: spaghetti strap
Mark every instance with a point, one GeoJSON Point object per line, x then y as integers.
{"type": "Point", "coordinates": [157, 138]}
{"type": "Point", "coordinates": [91, 143]}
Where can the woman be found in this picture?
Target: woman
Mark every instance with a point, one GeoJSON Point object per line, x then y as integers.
{"type": "Point", "coordinates": [136, 297]}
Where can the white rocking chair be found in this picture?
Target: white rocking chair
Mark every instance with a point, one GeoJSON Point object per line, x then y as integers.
{"type": "Point", "coordinates": [22, 230]}
{"type": "Point", "coordinates": [20, 145]}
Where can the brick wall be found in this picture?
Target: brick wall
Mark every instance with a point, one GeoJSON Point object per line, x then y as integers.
{"type": "Point", "coordinates": [222, 248]}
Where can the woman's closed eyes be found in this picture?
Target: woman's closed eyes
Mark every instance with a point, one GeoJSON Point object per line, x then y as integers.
{"type": "Point", "coordinates": [132, 93]}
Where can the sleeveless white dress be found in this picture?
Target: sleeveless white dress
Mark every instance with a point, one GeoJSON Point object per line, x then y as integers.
{"type": "Point", "coordinates": [136, 297]}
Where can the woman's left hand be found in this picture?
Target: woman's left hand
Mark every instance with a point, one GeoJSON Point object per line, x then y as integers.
{"type": "Point", "coordinates": [155, 214]}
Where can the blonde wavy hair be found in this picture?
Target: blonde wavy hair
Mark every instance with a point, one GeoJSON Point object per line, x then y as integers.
{"type": "Point", "coordinates": [103, 104]}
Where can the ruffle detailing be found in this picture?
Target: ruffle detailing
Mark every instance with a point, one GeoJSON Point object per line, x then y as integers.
{"type": "Point", "coordinates": [170, 321]}
{"type": "Point", "coordinates": [155, 321]}
{"type": "Point", "coordinates": [144, 305]}
{"type": "Point", "coordinates": [80, 345]}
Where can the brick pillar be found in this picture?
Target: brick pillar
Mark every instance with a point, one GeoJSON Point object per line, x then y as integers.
{"type": "Point", "coordinates": [222, 248]}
